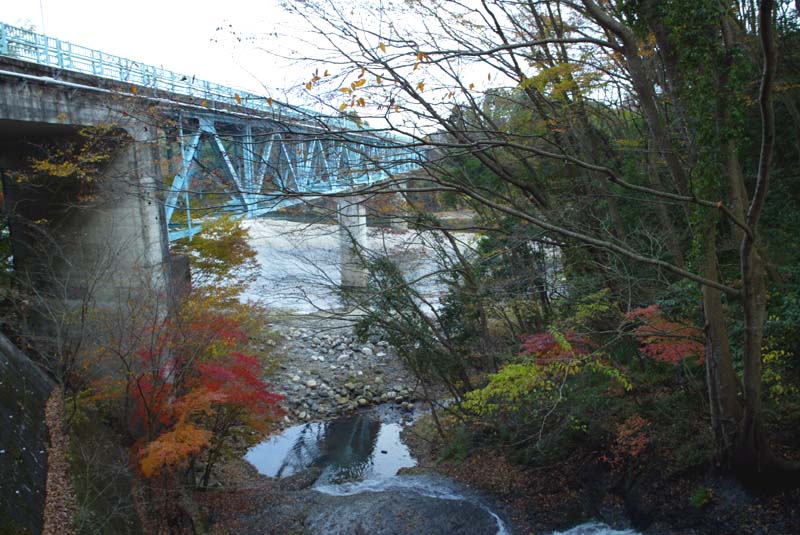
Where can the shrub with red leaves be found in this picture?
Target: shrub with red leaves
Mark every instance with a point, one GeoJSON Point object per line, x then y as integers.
{"type": "Point", "coordinates": [664, 340]}
{"type": "Point", "coordinates": [547, 348]}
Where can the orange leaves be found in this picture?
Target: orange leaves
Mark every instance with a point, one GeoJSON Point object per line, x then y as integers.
{"type": "Point", "coordinates": [230, 385]}
{"type": "Point", "coordinates": [237, 98]}
{"type": "Point", "coordinates": [173, 448]}
{"type": "Point", "coordinates": [354, 86]}
{"type": "Point", "coordinates": [421, 87]}
{"type": "Point", "coordinates": [664, 340]}
{"type": "Point", "coordinates": [382, 46]}
{"type": "Point", "coordinates": [314, 79]}
{"type": "Point", "coordinates": [422, 57]}
{"type": "Point", "coordinates": [198, 402]}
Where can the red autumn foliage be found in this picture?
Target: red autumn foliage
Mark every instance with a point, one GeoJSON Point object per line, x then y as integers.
{"type": "Point", "coordinates": [664, 340]}
{"type": "Point", "coordinates": [192, 391]}
{"type": "Point", "coordinates": [546, 348]}
{"type": "Point", "coordinates": [223, 392]}
{"type": "Point", "coordinates": [237, 378]}
{"type": "Point", "coordinates": [631, 441]}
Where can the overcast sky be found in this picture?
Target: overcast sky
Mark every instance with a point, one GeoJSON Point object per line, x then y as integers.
{"type": "Point", "coordinates": [181, 35]}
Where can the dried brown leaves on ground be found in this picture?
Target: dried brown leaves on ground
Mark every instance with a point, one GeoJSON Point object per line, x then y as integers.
{"type": "Point", "coordinates": [60, 504]}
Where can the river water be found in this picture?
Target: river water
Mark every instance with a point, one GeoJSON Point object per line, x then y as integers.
{"type": "Point", "coordinates": [362, 454]}
{"type": "Point", "coordinates": [300, 262]}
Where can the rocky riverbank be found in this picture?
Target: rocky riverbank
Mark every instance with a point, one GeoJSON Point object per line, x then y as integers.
{"type": "Point", "coordinates": [326, 371]}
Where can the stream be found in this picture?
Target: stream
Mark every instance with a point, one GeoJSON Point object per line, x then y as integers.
{"type": "Point", "coordinates": [358, 464]}
{"type": "Point", "coordinates": [359, 461]}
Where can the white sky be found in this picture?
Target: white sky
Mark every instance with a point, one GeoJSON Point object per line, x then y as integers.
{"type": "Point", "coordinates": [238, 43]}
{"type": "Point", "coordinates": [181, 35]}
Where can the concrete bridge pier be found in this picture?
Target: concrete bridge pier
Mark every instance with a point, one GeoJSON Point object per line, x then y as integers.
{"type": "Point", "coordinates": [103, 241]}
{"type": "Point", "coordinates": [353, 240]}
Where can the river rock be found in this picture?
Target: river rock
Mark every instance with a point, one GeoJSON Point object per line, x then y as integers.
{"type": "Point", "coordinates": [393, 513]}
{"type": "Point", "coordinates": [367, 351]}
{"type": "Point", "coordinates": [311, 383]}
{"type": "Point", "coordinates": [362, 402]}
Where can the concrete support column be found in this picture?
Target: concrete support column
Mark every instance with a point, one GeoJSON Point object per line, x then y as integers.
{"type": "Point", "coordinates": [353, 240]}
{"type": "Point", "coordinates": [105, 242]}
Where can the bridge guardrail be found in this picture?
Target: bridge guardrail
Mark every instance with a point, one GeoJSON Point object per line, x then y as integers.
{"type": "Point", "coordinates": [30, 46]}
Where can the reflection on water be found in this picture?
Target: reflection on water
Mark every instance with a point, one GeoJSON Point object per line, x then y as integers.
{"type": "Point", "coordinates": [355, 448]}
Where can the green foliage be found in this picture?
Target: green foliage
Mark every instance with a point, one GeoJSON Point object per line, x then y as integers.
{"type": "Point", "coordinates": [446, 347]}
{"type": "Point", "coordinates": [595, 308]}
{"type": "Point", "coordinates": [457, 446]}
{"type": "Point", "coordinates": [510, 389]}
{"type": "Point", "coordinates": [220, 255]}
{"type": "Point", "coordinates": [701, 498]}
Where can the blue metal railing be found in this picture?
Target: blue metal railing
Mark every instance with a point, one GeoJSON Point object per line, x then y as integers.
{"type": "Point", "coordinates": [31, 46]}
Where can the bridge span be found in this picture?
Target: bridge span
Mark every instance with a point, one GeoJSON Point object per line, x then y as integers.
{"type": "Point", "coordinates": [182, 149]}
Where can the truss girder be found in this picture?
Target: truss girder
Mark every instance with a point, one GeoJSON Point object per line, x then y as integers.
{"type": "Point", "coordinates": [252, 156]}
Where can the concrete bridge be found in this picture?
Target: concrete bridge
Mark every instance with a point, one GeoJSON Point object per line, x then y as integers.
{"type": "Point", "coordinates": [170, 148]}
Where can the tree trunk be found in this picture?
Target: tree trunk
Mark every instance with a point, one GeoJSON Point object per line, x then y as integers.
{"type": "Point", "coordinates": [722, 382]}
{"type": "Point", "coordinates": [673, 243]}
{"type": "Point", "coordinates": [752, 451]}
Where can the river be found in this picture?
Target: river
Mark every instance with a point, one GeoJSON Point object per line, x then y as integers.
{"type": "Point", "coordinates": [300, 262]}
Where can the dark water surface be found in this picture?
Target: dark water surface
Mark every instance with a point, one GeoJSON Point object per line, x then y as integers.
{"type": "Point", "coordinates": [355, 448]}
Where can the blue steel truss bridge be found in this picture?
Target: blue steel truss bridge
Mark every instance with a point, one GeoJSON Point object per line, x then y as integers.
{"type": "Point", "coordinates": [229, 151]}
